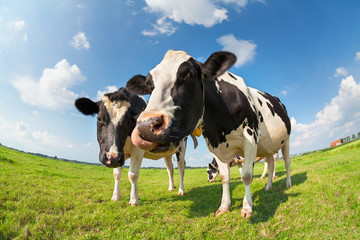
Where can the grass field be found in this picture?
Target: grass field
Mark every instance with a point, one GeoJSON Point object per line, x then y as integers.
{"type": "Point", "coordinates": [49, 199]}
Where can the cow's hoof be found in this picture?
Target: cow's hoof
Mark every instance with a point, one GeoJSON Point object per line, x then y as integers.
{"type": "Point", "coordinates": [262, 177]}
{"type": "Point", "coordinates": [288, 185]}
{"type": "Point", "coordinates": [181, 193]}
{"type": "Point", "coordinates": [133, 204]}
{"type": "Point", "coordinates": [246, 213]}
{"type": "Point", "coordinates": [115, 199]}
{"type": "Point", "coordinates": [220, 212]}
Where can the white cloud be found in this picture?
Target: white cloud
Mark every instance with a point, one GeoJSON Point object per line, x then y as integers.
{"type": "Point", "coordinates": [199, 12]}
{"type": "Point", "coordinates": [341, 71]}
{"type": "Point", "coordinates": [161, 27]}
{"type": "Point", "coordinates": [243, 49]}
{"type": "Point", "coordinates": [22, 128]}
{"type": "Point", "coordinates": [51, 91]}
{"type": "Point", "coordinates": [20, 135]}
{"type": "Point", "coordinates": [12, 32]}
{"type": "Point", "coordinates": [357, 56]}
{"type": "Point", "coordinates": [341, 116]}
{"type": "Point", "coordinates": [107, 89]}
{"type": "Point", "coordinates": [80, 41]}
{"type": "Point", "coordinates": [284, 92]}
{"type": "Point", "coordinates": [18, 25]}
{"type": "Point", "coordinates": [206, 13]}
{"type": "Point", "coordinates": [47, 139]}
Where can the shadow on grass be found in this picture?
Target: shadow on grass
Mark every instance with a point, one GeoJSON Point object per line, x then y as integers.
{"type": "Point", "coordinates": [269, 201]}
{"type": "Point", "coordinates": [206, 199]}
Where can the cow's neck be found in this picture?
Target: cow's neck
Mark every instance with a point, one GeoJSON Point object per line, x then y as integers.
{"type": "Point", "coordinates": [226, 108]}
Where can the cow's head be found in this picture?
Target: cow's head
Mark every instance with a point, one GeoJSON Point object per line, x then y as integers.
{"type": "Point", "coordinates": [176, 103]}
{"type": "Point", "coordinates": [116, 118]}
{"type": "Point", "coordinates": [212, 170]}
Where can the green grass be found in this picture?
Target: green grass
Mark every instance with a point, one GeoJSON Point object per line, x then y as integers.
{"type": "Point", "coordinates": [49, 199]}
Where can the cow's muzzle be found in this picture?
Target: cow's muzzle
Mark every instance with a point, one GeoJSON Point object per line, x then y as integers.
{"type": "Point", "coordinates": [152, 134]}
{"type": "Point", "coordinates": [113, 160]}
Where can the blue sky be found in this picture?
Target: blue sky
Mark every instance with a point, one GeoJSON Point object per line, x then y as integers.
{"type": "Point", "coordinates": [51, 52]}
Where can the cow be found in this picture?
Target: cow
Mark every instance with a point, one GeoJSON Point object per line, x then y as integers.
{"type": "Point", "coordinates": [116, 118]}
{"type": "Point", "coordinates": [189, 96]}
{"type": "Point", "coordinates": [213, 168]}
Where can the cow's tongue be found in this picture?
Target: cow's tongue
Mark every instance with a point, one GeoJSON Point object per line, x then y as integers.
{"type": "Point", "coordinates": [141, 143]}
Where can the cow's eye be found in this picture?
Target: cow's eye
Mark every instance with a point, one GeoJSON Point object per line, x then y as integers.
{"type": "Point", "coordinates": [190, 74]}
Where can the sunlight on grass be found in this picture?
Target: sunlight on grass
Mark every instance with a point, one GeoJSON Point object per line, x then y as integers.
{"type": "Point", "coordinates": [49, 199]}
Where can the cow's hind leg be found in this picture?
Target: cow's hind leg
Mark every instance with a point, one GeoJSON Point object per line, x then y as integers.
{"type": "Point", "coordinates": [240, 169]}
{"type": "Point", "coordinates": [270, 162]}
{"type": "Point", "coordinates": [170, 170]}
{"type": "Point", "coordinates": [263, 175]}
{"type": "Point", "coordinates": [286, 154]}
{"type": "Point", "coordinates": [117, 177]}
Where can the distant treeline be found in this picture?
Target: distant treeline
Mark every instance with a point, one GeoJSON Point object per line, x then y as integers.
{"type": "Point", "coordinates": [75, 161]}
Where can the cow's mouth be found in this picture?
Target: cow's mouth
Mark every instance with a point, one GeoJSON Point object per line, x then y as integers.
{"type": "Point", "coordinates": [152, 146]}
{"type": "Point", "coordinates": [163, 147]}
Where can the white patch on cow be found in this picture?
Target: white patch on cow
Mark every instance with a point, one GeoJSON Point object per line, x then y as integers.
{"type": "Point", "coordinates": [164, 77]}
{"type": "Point", "coordinates": [218, 87]}
{"type": "Point", "coordinates": [113, 149]}
{"type": "Point", "coordinates": [116, 109]}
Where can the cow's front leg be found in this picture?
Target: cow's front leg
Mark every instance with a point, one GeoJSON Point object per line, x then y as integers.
{"type": "Point", "coordinates": [117, 177]}
{"type": "Point", "coordinates": [224, 171]}
{"type": "Point", "coordinates": [170, 170]}
{"type": "Point", "coordinates": [134, 171]}
{"type": "Point", "coordinates": [250, 155]}
{"type": "Point", "coordinates": [181, 166]}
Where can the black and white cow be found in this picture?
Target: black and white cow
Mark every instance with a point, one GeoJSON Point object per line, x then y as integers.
{"type": "Point", "coordinates": [117, 113]}
{"type": "Point", "coordinates": [213, 169]}
{"type": "Point", "coordinates": [187, 95]}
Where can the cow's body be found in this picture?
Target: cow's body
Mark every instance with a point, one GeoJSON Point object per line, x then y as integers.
{"type": "Point", "coordinates": [117, 113]}
{"type": "Point", "coordinates": [234, 118]}
{"type": "Point", "coordinates": [238, 161]}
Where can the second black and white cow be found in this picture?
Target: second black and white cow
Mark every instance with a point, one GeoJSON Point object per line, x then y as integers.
{"type": "Point", "coordinates": [187, 95]}
{"type": "Point", "coordinates": [213, 168]}
{"type": "Point", "coordinates": [117, 113]}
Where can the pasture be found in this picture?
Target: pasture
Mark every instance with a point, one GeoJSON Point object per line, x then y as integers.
{"type": "Point", "coordinates": [43, 198]}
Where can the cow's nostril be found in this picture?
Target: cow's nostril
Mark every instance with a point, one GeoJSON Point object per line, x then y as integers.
{"type": "Point", "coordinates": [158, 123]}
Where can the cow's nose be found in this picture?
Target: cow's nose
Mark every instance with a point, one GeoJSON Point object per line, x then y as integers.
{"type": "Point", "coordinates": [151, 126]}
{"type": "Point", "coordinates": [111, 158]}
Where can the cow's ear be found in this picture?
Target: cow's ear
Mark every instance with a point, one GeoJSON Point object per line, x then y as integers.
{"type": "Point", "coordinates": [140, 84]}
{"type": "Point", "coordinates": [218, 63]}
{"type": "Point", "coordinates": [86, 106]}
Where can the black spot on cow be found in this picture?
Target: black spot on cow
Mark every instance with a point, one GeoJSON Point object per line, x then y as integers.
{"type": "Point", "coordinates": [261, 117]}
{"type": "Point", "coordinates": [260, 102]}
{"type": "Point", "coordinates": [278, 108]}
{"type": "Point", "coordinates": [225, 111]}
{"type": "Point", "coordinates": [271, 108]}
{"type": "Point", "coordinates": [232, 76]}
{"type": "Point", "coordinates": [227, 145]}
{"type": "Point", "coordinates": [178, 154]}
{"type": "Point", "coordinates": [282, 142]}
{"type": "Point", "coordinates": [249, 132]}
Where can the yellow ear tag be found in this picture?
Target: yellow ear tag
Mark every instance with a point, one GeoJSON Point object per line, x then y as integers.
{"type": "Point", "coordinates": [197, 132]}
